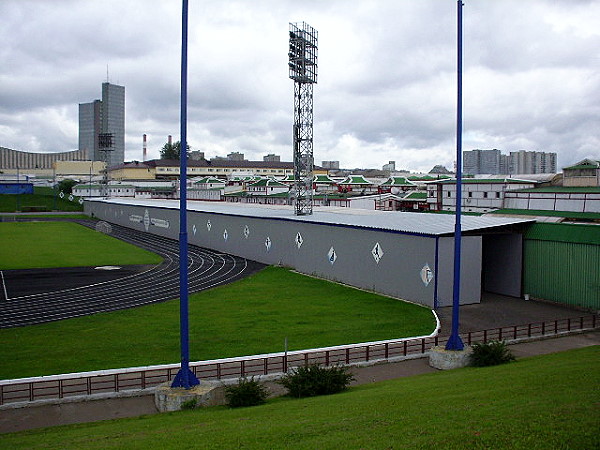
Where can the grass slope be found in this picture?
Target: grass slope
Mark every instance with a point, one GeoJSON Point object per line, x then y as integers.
{"type": "Point", "coordinates": [27, 245]}
{"type": "Point", "coordinates": [543, 402]}
{"type": "Point", "coordinates": [42, 197]}
{"type": "Point", "coordinates": [250, 316]}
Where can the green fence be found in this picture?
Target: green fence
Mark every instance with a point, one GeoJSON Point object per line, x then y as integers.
{"type": "Point", "coordinates": [562, 264]}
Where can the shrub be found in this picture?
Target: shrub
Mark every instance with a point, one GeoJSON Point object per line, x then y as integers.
{"type": "Point", "coordinates": [246, 393]}
{"type": "Point", "coordinates": [189, 404]}
{"type": "Point", "coordinates": [491, 353]}
{"type": "Point", "coordinates": [308, 381]}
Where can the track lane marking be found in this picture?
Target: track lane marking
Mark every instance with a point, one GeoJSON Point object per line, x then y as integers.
{"type": "Point", "coordinates": [4, 286]}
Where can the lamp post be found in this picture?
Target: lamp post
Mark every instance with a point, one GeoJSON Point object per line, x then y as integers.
{"type": "Point", "coordinates": [185, 378]}
{"type": "Point", "coordinates": [454, 341]}
{"type": "Point", "coordinates": [54, 187]}
{"type": "Point", "coordinates": [18, 195]}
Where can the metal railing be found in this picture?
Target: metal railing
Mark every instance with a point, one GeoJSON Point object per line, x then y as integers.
{"type": "Point", "coordinates": [139, 378]}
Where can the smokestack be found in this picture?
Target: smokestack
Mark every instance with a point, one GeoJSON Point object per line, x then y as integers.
{"type": "Point", "coordinates": [170, 140]}
{"type": "Point", "coordinates": [144, 149]}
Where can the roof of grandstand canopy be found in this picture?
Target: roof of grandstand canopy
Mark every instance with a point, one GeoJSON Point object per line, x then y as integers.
{"type": "Point", "coordinates": [425, 224]}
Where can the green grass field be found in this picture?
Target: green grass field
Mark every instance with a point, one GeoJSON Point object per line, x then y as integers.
{"type": "Point", "coordinates": [545, 402]}
{"type": "Point", "coordinates": [27, 245]}
{"type": "Point", "coordinates": [250, 316]}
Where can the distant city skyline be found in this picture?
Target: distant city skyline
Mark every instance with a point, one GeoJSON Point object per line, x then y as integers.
{"type": "Point", "coordinates": [493, 162]}
{"type": "Point", "coordinates": [387, 76]}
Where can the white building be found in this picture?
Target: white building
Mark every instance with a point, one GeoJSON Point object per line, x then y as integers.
{"type": "Point", "coordinates": [478, 194]}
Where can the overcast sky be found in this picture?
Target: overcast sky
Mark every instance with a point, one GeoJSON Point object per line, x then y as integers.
{"type": "Point", "coordinates": [386, 88]}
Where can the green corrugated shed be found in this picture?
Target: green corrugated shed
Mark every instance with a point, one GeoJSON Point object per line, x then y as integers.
{"type": "Point", "coordinates": [582, 234]}
{"type": "Point", "coordinates": [562, 264]}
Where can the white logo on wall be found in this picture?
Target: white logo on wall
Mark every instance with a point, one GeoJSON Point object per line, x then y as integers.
{"type": "Point", "coordinates": [225, 235]}
{"type": "Point", "coordinates": [208, 225]}
{"type": "Point", "coordinates": [146, 219]}
{"type": "Point", "coordinates": [426, 274]}
{"type": "Point", "coordinates": [299, 240]}
{"type": "Point", "coordinates": [194, 229]}
{"type": "Point", "coordinates": [246, 231]}
{"type": "Point", "coordinates": [377, 252]}
{"type": "Point", "coordinates": [136, 218]}
{"type": "Point", "coordinates": [81, 200]}
{"type": "Point", "coordinates": [331, 256]}
{"type": "Point", "coordinates": [268, 243]}
{"type": "Point", "coordinates": [62, 194]}
{"type": "Point", "coordinates": [160, 223]}
{"type": "Point", "coordinates": [71, 197]}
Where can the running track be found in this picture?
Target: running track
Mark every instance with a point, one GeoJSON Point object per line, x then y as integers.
{"type": "Point", "coordinates": [159, 283]}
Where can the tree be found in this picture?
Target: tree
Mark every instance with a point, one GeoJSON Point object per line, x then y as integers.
{"type": "Point", "coordinates": [66, 185]}
{"type": "Point", "coordinates": [172, 151]}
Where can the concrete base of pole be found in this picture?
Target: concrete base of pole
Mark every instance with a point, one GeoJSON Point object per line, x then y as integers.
{"type": "Point", "coordinates": [206, 393]}
{"type": "Point", "coordinates": [440, 358]}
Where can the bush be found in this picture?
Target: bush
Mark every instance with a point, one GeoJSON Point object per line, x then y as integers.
{"type": "Point", "coordinates": [491, 353]}
{"type": "Point", "coordinates": [312, 380]}
{"type": "Point", "coordinates": [189, 404]}
{"type": "Point", "coordinates": [246, 393]}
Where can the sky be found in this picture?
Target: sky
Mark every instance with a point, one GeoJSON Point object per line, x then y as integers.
{"type": "Point", "coordinates": [386, 87]}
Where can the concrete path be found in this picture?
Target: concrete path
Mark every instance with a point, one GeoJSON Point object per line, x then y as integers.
{"type": "Point", "coordinates": [501, 311]}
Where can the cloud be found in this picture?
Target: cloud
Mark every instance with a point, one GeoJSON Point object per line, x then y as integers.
{"type": "Point", "coordinates": [386, 88]}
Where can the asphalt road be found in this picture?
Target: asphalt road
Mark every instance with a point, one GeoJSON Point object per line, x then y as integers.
{"type": "Point", "coordinates": [30, 297]}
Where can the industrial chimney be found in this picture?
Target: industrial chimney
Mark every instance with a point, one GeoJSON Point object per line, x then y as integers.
{"type": "Point", "coordinates": [144, 149]}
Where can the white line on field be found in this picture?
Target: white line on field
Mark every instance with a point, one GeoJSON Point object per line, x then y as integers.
{"type": "Point", "coordinates": [3, 285]}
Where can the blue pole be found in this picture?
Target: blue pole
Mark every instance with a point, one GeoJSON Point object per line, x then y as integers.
{"type": "Point", "coordinates": [185, 378]}
{"type": "Point", "coordinates": [454, 341]}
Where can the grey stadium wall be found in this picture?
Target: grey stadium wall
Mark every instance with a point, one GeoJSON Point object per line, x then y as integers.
{"type": "Point", "coordinates": [417, 268]}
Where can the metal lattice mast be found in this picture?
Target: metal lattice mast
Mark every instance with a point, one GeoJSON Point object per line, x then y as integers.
{"type": "Point", "coordinates": [303, 70]}
{"type": "Point", "coordinates": [105, 144]}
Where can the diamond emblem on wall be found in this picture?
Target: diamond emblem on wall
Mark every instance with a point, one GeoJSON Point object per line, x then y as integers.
{"type": "Point", "coordinates": [246, 231]}
{"type": "Point", "coordinates": [331, 256]}
{"type": "Point", "coordinates": [426, 274]}
{"type": "Point", "coordinates": [146, 219]}
{"type": "Point", "coordinates": [225, 234]}
{"type": "Point", "coordinates": [299, 240]}
{"type": "Point", "coordinates": [268, 243]}
{"type": "Point", "coordinates": [208, 225]}
{"type": "Point", "coordinates": [377, 252]}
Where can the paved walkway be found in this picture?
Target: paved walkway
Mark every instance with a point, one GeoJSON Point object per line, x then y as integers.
{"type": "Point", "coordinates": [494, 312]}
{"type": "Point", "coordinates": [500, 311]}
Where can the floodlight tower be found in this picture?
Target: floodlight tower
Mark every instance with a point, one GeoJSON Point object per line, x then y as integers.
{"type": "Point", "coordinates": [303, 70]}
{"type": "Point", "coordinates": [106, 146]}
